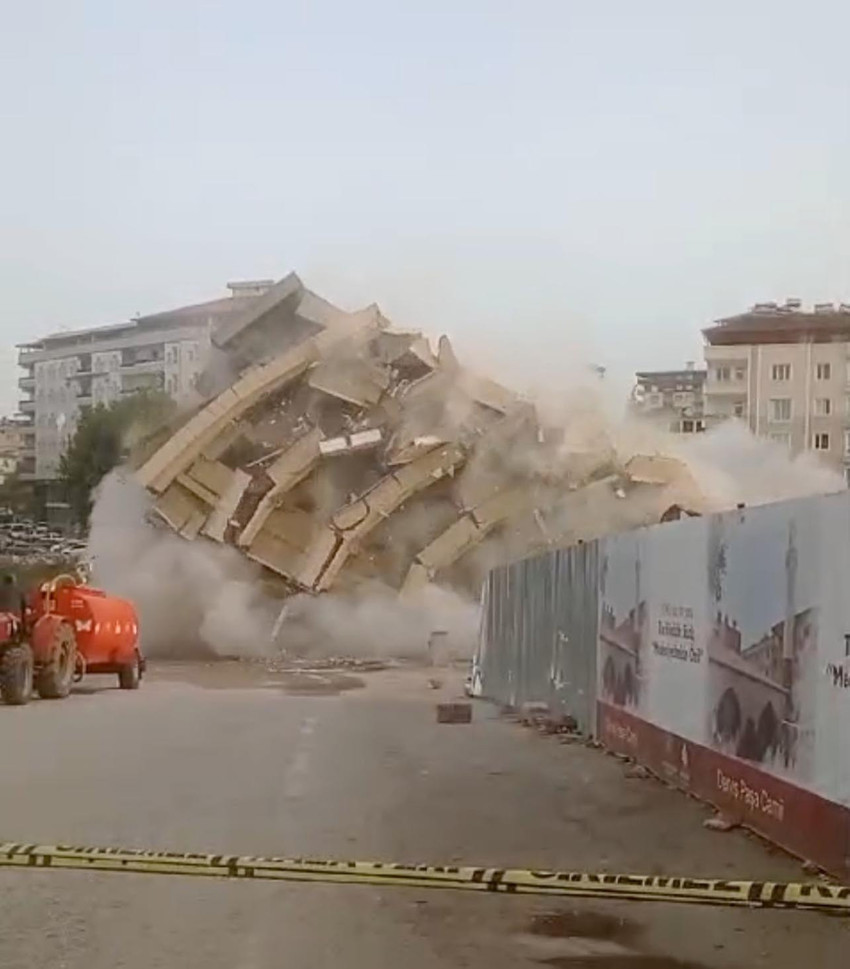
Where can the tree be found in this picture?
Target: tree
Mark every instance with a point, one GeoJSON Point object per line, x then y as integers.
{"type": "Point", "coordinates": [18, 495]}
{"type": "Point", "coordinates": [101, 442]}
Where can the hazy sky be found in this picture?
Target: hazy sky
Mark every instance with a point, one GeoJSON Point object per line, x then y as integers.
{"type": "Point", "coordinates": [552, 178]}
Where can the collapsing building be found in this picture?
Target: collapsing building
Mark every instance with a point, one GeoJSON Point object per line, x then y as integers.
{"type": "Point", "coordinates": [338, 451]}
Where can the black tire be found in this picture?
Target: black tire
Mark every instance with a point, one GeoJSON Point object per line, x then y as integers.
{"type": "Point", "coordinates": [130, 676]}
{"type": "Point", "coordinates": [16, 675]}
{"type": "Point", "coordinates": [53, 682]}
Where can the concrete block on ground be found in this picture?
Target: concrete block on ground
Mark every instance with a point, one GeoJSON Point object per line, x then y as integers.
{"type": "Point", "coordinates": [454, 712]}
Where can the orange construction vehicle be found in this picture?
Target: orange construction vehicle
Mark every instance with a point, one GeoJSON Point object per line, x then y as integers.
{"type": "Point", "coordinates": [62, 630]}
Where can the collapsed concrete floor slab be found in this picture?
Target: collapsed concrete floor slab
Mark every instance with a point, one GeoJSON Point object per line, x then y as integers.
{"type": "Point", "coordinates": [338, 451]}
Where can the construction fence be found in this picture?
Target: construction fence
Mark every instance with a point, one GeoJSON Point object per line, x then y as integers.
{"type": "Point", "coordinates": [715, 650]}
{"type": "Point", "coordinates": [538, 639]}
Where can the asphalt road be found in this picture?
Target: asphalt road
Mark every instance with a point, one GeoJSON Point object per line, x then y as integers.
{"type": "Point", "coordinates": [229, 759]}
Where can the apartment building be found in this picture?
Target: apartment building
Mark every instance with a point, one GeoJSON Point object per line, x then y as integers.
{"type": "Point", "coordinates": [672, 399]}
{"type": "Point", "coordinates": [69, 371]}
{"type": "Point", "coordinates": [12, 444]}
{"type": "Point", "coordinates": [785, 371]}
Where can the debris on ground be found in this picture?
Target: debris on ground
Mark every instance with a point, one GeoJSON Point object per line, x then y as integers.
{"type": "Point", "coordinates": [454, 713]}
{"type": "Point", "coordinates": [720, 822]}
{"type": "Point", "coordinates": [534, 714]}
{"type": "Point", "coordinates": [572, 738]}
{"type": "Point", "coordinates": [353, 664]}
{"type": "Point", "coordinates": [637, 772]}
{"type": "Point", "coordinates": [340, 452]}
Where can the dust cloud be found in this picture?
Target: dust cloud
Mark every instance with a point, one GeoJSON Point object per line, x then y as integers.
{"type": "Point", "coordinates": [733, 466]}
{"type": "Point", "coordinates": [202, 598]}
{"type": "Point", "coordinates": [381, 625]}
{"type": "Point", "coordinates": [192, 598]}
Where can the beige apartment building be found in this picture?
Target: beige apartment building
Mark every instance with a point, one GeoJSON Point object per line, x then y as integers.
{"type": "Point", "coordinates": [673, 400]}
{"type": "Point", "coordinates": [785, 371]}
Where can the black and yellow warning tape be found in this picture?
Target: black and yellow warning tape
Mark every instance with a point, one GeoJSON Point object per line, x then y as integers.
{"type": "Point", "coordinates": [518, 881]}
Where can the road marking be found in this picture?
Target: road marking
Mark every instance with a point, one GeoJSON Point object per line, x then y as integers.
{"type": "Point", "coordinates": [295, 776]}
{"type": "Point", "coordinates": [518, 881]}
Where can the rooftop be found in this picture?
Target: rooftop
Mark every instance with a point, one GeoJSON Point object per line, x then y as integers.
{"type": "Point", "coordinates": [215, 308]}
{"type": "Point", "coordinates": [689, 375]}
{"type": "Point", "coordinates": [243, 295]}
{"type": "Point", "coordinates": [60, 335]}
{"type": "Point", "coordinates": [782, 323]}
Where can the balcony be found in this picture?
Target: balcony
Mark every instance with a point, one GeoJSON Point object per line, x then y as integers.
{"type": "Point", "coordinates": [26, 383]}
{"type": "Point", "coordinates": [736, 387]}
{"type": "Point", "coordinates": [26, 358]}
{"type": "Point", "coordinates": [133, 382]}
{"type": "Point", "coordinates": [143, 366]}
{"type": "Point", "coordinates": [26, 406]}
{"type": "Point", "coordinates": [141, 359]}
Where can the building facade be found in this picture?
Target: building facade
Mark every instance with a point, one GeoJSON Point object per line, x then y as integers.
{"type": "Point", "coordinates": [785, 372]}
{"type": "Point", "coordinates": [68, 372]}
{"type": "Point", "coordinates": [672, 399]}
{"type": "Point", "coordinates": [12, 443]}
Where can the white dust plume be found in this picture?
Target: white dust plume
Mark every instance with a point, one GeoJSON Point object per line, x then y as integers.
{"type": "Point", "coordinates": [734, 466]}
{"type": "Point", "coordinates": [191, 598]}
{"type": "Point", "coordinates": [381, 625]}
{"type": "Point", "coordinates": [196, 598]}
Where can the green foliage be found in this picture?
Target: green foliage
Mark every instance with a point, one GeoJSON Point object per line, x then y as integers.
{"type": "Point", "coordinates": [101, 442]}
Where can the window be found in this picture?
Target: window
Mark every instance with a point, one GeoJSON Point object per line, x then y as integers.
{"type": "Point", "coordinates": [780, 409]}
{"type": "Point", "coordinates": [823, 371]}
{"type": "Point", "coordinates": [784, 439]}
{"type": "Point", "coordinates": [847, 476]}
{"type": "Point", "coordinates": [823, 406]}
{"type": "Point", "coordinates": [738, 409]}
{"type": "Point", "coordinates": [740, 373]}
{"type": "Point", "coordinates": [781, 371]}
{"type": "Point", "coordinates": [847, 444]}
{"type": "Point", "coordinates": [821, 442]}
{"type": "Point", "coordinates": [723, 374]}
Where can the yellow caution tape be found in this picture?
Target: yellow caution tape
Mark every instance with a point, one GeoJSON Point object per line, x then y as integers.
{"type": "Point", "coordinates": [518, 881]}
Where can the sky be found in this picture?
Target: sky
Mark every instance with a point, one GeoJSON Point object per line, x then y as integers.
{"type": "Point", "coordinates": [545, 181]}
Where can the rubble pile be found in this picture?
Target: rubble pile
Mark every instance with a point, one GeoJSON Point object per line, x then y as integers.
{"type": "Point", "coordinates": [340, 452]}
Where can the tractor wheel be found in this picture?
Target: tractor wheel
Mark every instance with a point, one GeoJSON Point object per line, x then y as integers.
{"type": "Point", "coordinates": [53, 682]}
{"type": "Point", "coordinates": [130, 676]}
{"type": "Point", "coordinates": [16, 675]}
